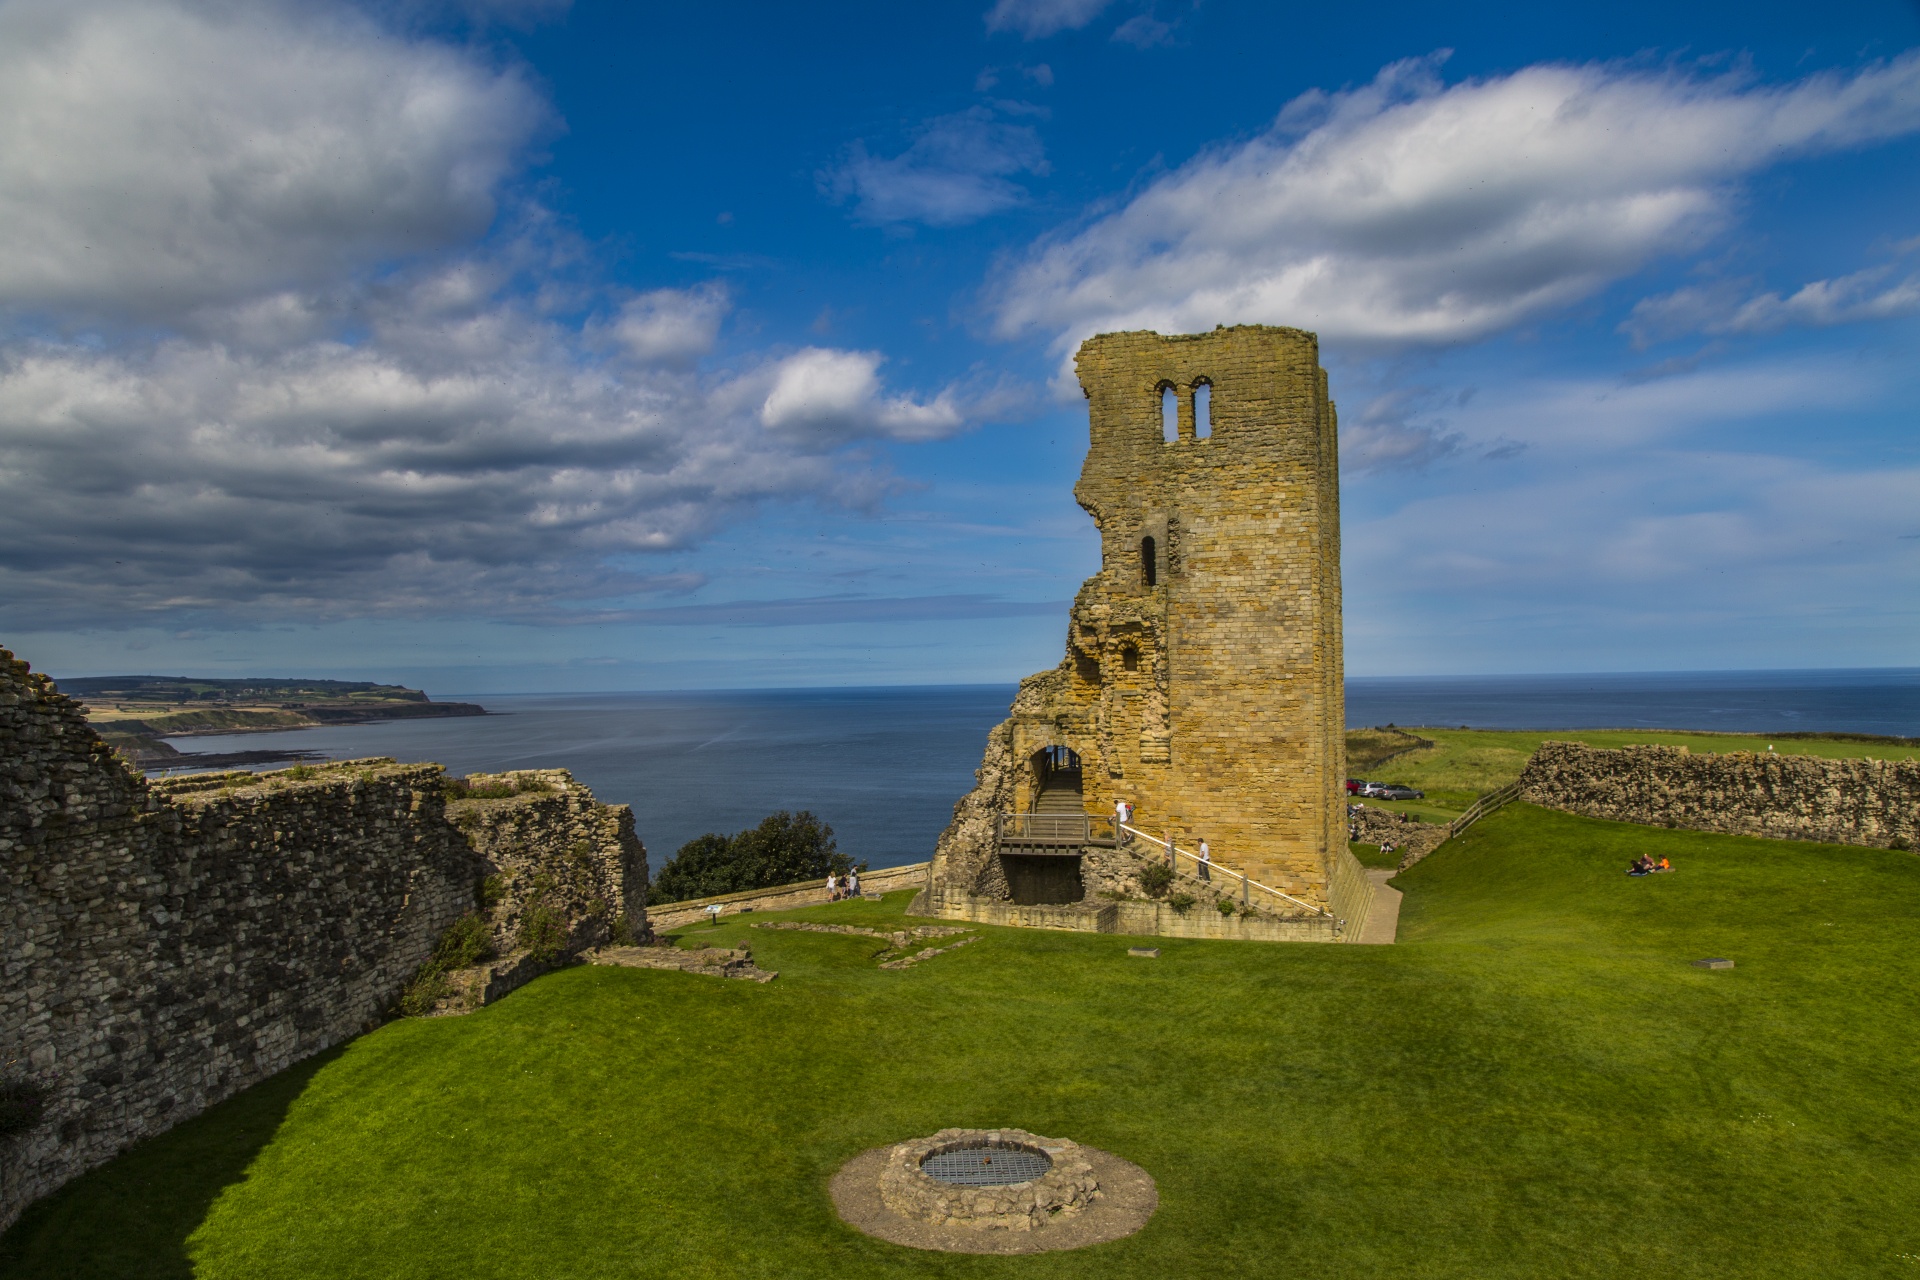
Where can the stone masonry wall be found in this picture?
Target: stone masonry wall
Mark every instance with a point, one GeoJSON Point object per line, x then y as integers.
{"type": "Point", "coordinates": [1781, 797]}
{"type": "Point", "coordinates": [1203, 677]}
{"type": "Point", "coordinates": [164, 945]}
{"type": "Point", "coordinates": [549, 846]}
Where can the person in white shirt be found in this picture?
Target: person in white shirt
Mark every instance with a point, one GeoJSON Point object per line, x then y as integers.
{"type": "Point", "coordinates": [1206, 862]}
{"type": "Point", "coordinates": [853, 884]}
{"type": "Point", "coordinates": [833, 887]}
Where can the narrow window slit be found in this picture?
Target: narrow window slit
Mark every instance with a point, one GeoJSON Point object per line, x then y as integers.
{"type": "Point", "coordinates": [1169, 414]}
{"type": "Point", "coordinates": [1202, 410]}
{"type": "Point", "coordinates": [1148, 568]}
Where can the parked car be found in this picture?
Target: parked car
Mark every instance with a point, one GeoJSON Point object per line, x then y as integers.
{"type": "Point", "coordinates": [1354, 785]}
{"type": "Point", "coordinates": [1372, 788]}
{"type": "Point", "coordinates": [1394, 791]}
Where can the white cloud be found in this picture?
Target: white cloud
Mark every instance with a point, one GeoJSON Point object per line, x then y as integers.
{"type": "Point", "coordinates": [1413, 211]}
{"type": "Point", "coordinates": [1730, 306]}
{"type": "Point", "coordinates": [345, 391]}
{"type": "Point", "coordinates": [159, 156]}
{"type": "Point", "coordinates": [822, 395]}
{"type": "Point", "coordinates": [1143, 31]}
{"type": "Point", "coordinates": [448, 462]}
{"type": "Point", "coordinates": [958, 170]}
{"type": "Point", "coordinates": [672, 325]}
{"type": "Point", "coordinates": [1037, 19]}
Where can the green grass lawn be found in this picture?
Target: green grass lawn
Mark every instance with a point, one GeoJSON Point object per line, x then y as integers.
{"type": "Point", "coordinates": [1533, 1083]}
{"type": "Point", "coordinates": [1466, 763]}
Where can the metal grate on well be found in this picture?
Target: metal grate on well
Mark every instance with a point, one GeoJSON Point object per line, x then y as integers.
{"type": "Point", "coordinates": [986, 1165]}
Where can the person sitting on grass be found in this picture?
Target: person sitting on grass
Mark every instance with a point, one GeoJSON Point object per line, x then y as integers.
{"type": "Point", "coordinates": [1642, 865]}
{"type": "Point", "coordinates": [1663, 865]}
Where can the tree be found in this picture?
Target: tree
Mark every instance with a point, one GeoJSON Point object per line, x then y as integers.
{"type": "Point", "coordinates": [784, 849]}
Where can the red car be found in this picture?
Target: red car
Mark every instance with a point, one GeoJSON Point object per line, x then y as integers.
{"type": "Point", "coordinates": [1354, 785]}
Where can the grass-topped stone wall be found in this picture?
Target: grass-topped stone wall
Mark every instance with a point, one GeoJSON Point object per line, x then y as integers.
{"type": "Point", "coordinates": [1781, 796]}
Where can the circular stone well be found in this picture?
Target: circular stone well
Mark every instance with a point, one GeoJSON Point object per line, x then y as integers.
{"type": "Point", "coordinates": [993, 1191]}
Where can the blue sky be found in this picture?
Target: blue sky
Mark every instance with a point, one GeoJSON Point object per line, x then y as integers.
{"type": "Point", "coordinates": [502, 345]}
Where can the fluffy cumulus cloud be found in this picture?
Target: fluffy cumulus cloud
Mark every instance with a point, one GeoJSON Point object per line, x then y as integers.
{"type": "Point", "coordinates": [825, 396]}
{"type": "Point", "coordinates": [270, 349]}
{"type": "Point", "coordinates": [448, 462]}
{"type": "Point", "coordinates": [159, 156]}
{"type": "Point", "coordinates": [960, 168]}
{"type": "Point", "coordinates": [1413, 211]}
{"type": "Point", "coordinates": [1037, 19]}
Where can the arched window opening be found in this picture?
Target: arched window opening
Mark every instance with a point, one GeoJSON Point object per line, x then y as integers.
{"type": "Point", "coordinates": [1202, 410]}
{"type": "Point", "coordinates": [1169, 414]}
{"type": "Point", "coordinates": [1148, 568]}
{"type": "Point", "coordinates": [1130, 658]}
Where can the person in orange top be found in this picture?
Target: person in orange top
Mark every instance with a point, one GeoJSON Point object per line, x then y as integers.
{"type": "Point", "coordinates": [1664, 865]}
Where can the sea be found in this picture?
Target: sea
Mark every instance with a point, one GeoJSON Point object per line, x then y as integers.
{"type": "Point", "coordinates": [884, 766]}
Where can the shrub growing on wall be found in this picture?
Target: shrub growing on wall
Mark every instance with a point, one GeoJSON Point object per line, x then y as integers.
{"type": "Point", "coordinates": [784, 849]}
{"type": "Point", "coordinates": [466, 943]}
{"type": "Point", "coordinates": [1156, 878]}
{"type": "Point", "coordinates": [543, 932]}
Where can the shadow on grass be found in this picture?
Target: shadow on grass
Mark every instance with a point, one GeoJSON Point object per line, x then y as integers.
{"type": "Point", "coordinates": [132, 1217]}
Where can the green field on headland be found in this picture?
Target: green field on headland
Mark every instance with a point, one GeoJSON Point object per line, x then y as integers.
{"type": "Point", "coordinates": [1534, 1082]}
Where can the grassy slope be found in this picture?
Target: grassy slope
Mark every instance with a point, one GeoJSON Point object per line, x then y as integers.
{"type": "Point", "coordinates": [1534, 1083]}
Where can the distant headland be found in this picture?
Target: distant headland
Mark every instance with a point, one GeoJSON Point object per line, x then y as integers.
{"type": "Point", "coordinates": [133, 713]}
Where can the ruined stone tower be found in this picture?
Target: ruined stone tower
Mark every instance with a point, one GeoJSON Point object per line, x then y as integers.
{"type": "Point", "coordinates": [1202, 678]}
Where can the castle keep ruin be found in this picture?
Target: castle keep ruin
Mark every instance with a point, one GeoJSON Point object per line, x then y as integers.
{"type": "Point", "coordinates": [1202, 678]}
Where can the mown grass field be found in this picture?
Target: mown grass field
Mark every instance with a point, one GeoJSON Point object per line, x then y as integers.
{"type": "Point", "coordinates": [1533, 1083]}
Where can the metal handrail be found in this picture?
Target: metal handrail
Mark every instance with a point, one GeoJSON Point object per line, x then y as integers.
{"type": "Point", "coordinates": [1245, 880]}
{"type": "Point", "coordinates": [1482, 807]}
{"type": "Point", "coordinates": [1054, 828]}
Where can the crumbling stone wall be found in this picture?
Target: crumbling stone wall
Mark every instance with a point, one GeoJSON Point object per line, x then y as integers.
{"type": "Point", "coordinates": [550, 848]}
{"type": "Point", "coordinates": [1781, 797]}
{"type": "Point", "coordinates": [164, 945]}
{"type": "Point", "coordinates": [1203, 674]}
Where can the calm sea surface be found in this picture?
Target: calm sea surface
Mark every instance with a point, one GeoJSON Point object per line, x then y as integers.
{"type": "Point", "coordinates": [884, 766]}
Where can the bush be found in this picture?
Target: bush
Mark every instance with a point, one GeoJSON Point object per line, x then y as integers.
{"type": "Point", "coordinates": [490, 892]}
{"type": "Point", "coordinates": [22, 1105]}
{"type": "Point", "coordinates": [543, 933]}
{"type": "Point", "coordinates": [1181, 903]}
{"type": "Point", "coordinates": [466, 943]}
{"type": "Point", "coordinates": [1156, 879]}
{"type": "Point", "coordinates": [1226, 906]}
{"type": "Point", "coordinates": [783, 849]}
